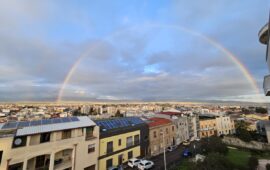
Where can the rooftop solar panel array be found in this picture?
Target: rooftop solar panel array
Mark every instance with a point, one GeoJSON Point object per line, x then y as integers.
{"type": "Point", "coordinates": [15, 125]}
{"type": "Point", "coordinates": [118, 123]}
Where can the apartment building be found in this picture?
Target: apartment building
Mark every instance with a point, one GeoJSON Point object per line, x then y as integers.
{"type": "Point", "coordinates": [193, 126]}
{"type": "Point", "coordinates": [224, 125]}
{"type": "Point", "coordinates": [120, 140]}
{"type": "Point", "coordinates": [180, 122]}
{"type": "Point", "coordinates": [161, 135]}
{"type": "Point", "coordinates": [208, 126]}
{"type": "Point", "coordinates": [63, 143]}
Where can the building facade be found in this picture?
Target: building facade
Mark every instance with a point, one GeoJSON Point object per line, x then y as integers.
{"type": "Point", "coordinates": [225, 125]}
{"type": "Point", "coordinates": [120, 140]}
{"type": "Point", "coordinates": [208, 126]}
{"type": "Point", "coordinates": [62, 143]}
{"type": "Point", "coordinates": [180, 122]}
{"type": "Point", "coordinates": [161, 135]}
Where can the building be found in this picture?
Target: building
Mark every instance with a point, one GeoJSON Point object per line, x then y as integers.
{"type": "Point", "coordinates": [180, 122]}
{"type": "Point", "coordinates": [54, 144]}
{"type": "Point", "coordinates": [208, 126]}
{"type": "Point", "coordinates": [224, 125]}
{"type": "Point", "coordinates": [161, 135]}
{"type": "Point", "coordinates": [120, 140]}
{"type": "Point", "coordinates": [193, 126]}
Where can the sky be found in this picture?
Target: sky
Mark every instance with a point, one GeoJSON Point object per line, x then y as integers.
{"type": "Point", "coordinates": [143, 50]}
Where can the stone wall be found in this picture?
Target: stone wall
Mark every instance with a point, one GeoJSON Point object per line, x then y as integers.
{"type": "Point", "coordinates": [250, 145]}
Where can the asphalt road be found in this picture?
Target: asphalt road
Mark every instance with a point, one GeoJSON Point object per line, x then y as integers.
{"type": "Point", "coordinates": [171, 157]}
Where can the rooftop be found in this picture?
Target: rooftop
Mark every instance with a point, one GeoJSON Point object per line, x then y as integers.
{"type": "Point", "coordinates": [156, 121]}
{"type": "Point", "coordinates": [116, 123]}
{"type": "Point", "coordinates": [47, 125]}
{"type": "Point", "coordinates": [171, 113]}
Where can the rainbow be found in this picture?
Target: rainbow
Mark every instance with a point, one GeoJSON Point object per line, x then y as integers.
{"type": "Point", "coordinates": [208, 40]}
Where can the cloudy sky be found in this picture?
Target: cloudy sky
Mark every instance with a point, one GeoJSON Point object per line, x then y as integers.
{"type": "Point", "coordinates": [130, 50]}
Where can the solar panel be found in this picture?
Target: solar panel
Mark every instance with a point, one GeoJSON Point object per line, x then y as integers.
{"type": "Point", "coordinates": [65, 119]}
{"type": "Point", "coordinates": [56, 120]}
{"type": "Point", "coordinates": [46, 121]}
{"type": "Point", "coordinates": [35, 123]}
{"type": "Point", "coordinates": [74, 119]}
{"type": "Point", "coordinates": [10, 125]}
{"type": "Point", "coordinates": [23, 124]}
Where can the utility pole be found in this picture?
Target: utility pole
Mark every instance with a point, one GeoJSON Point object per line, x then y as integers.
{"type": "Point", "coordinates": [164, 150]}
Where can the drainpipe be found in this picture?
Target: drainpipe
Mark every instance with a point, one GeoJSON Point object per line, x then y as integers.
{"type": "Point", "coordinates": [74, 156]}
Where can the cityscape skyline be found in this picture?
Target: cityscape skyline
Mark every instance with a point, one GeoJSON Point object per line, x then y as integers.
{"type": "Point", "coordinates": [134, 51]}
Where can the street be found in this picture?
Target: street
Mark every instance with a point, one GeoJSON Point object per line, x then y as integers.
{"type": "Point", "coordinates": [172, 158]}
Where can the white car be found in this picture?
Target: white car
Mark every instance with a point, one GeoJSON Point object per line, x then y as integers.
{"type": "Point", "coordinates": [197, 139]}
{"type": "Point", "coordinates": [145, 164]}
{"type": "Point", "coordinates": [186, 143]}
{"type": "Point", "coordinates": [133, 162]}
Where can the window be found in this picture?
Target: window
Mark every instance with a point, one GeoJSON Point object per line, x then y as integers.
{"type": "Point", "coordinates": [119, 142]}
{"type": "Point", "coordinates": [45, 137]}
{"type": "Point", "coordinates": [110, 147]}
{"type": "Point", "coordinates": [92, 167]}
{"type": "Point", "coordinates": [91, 148]}
{"type": "Point", "coordinates": [66, 134]}
{"type": "Point", "coordinates": [109, 163]}
{"type": "Point", "coordinates": [130, 154]}
{"type": "Point", "coordinates": [120, 159]}
{"type": "Point", "coordinates": [167, 130]}
{"type": "Point", "coordinates": [137, 139]}
{"type": "Point", "coordinates": [89, 133]}
{"type": "Point", "coordinates": [1, 154]}
{"type": "Point", "coordinates": [16, 166]}
{"type": "Point", "coordinates": [172, 128]}
{"type": "Point", "coordinates": [155, 134]}
{"type": "Point", "coordinates": [129, 141]}
{"type": "Point", "coordinates": [40, 161]}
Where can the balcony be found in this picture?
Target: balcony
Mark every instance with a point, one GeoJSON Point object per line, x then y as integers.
{"type": "Point", "coordinates": [63, 159]}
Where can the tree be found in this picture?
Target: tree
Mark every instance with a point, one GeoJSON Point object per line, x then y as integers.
{"type": "Point", "coordinates": [267, 166]}
{"type": "Point", "coordinates": [261, 110]}
{"type": "Point", "coordinates": [213, 144]}
{"type": "Point", "coordinates": [213, 161]}
{"type": "Point", "coordinates": [118, 114]}
{"type": "Point", "coordinates": [242, 132]}
{"type": "Point", "coordinates": [253, 163]}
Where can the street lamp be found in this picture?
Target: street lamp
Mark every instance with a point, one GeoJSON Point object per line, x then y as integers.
{"type": "Point", "coordinates": [165, 164]}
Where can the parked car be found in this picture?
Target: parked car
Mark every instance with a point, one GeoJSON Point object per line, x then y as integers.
{"type": "Point", "coordinates": [145, 164]}
{"type": "Point", "coordinates": [186, 153]}
{"type": "Point", "coordinates": [133, 162]}
{"type": "Point", "coordinates": [197, 139]}
{"type": "Point", "coordinates": [186, 143]}
{"type": "Point", "coordinates": [171, 148]}
{"type": "Point", "coordinates": [115, 168]}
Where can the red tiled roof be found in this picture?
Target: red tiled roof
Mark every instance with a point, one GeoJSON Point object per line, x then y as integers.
{"type": "Point", "coordinates": [156, 121]}
{"type": "Point", "coordinates": [170, 113]}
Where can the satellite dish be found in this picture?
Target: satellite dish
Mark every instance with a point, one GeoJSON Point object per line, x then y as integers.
{"type": "Point", "coordinates": [18, 141]}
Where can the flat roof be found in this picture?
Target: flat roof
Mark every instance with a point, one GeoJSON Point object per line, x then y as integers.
{"type": "Point", "coordinates": [116, 123]}
{"type": "Point", "coordinates": [46, 125]}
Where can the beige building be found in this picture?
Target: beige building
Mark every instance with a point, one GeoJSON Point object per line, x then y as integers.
{"type": "Point", "coordinates": [161, 133]}
{"type": "Point", "coordinates": [225, 125]}
{"type": "Point", "coordinates": [63, 143]}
